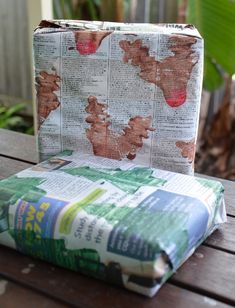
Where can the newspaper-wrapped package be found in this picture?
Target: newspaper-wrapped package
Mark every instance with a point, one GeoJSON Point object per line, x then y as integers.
{"type": "Point", "coordinates": [122, 91]}
{"type": "Point", "coordinates": [116, 221]}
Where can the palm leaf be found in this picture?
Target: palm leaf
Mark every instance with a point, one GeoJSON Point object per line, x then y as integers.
{"type": "Point", "coordinates": [216, 22]}
{"type": "Point", "coordinates": [212, 75]}
{"type": "Point", "coordinates": [15, 109]}
{"type": "Point", "coordinates": [92, 9]}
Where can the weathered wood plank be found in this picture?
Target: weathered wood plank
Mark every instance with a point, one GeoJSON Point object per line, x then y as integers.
{"type": "Point", "coordinates": [224, 238]}
{"type": "Point", "coordinates": [10, 166]}
{"type": "Point", "coordinates": [14, 54]}
{"type": "Point", "coordinates": [83, 291]}
{"type": "Point", "coordinates": [3, 70]}
{"type": "Point", "coordinates": [23, 49]}
{"type": "Point", "coordinates": [229, 187]}
{"type": "Point", "coordinates": [17, 145]}
{"type": "Point", "coordinates": [14, 295]}
{"type": "Point", "coordinates": [209, 271]}
{"type": "Point", "coordinates": [229, 195]}
{"type": "Point", "coordinates": [12, 51]}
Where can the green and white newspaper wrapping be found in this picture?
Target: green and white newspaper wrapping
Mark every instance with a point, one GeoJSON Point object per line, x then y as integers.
{"type": "Point", "coordinates": [123, 223]}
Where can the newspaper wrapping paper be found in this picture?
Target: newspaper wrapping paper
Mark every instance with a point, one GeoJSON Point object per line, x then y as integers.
{"type": "Point", "coordinates": [122, 91]}
{"type": "Point", "coordinates": [123, 223]}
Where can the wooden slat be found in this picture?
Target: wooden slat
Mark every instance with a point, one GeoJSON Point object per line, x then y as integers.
{"type": "Point", "coordinates": [14, 295]}
{"type": "Point", "coordinates": [82, 291]}
{"type": "Point", "coordinates": [17, 145]}
{"type": "Point", "coordinates": [209, 271]}
{"type": "Point", "coordinates": [13, 78]}
{"type": "Point", "coordinates": [229, 193]}
{"type": "Point", "coordinates": [23, 49]}
{"type": "Point", "coordinates": [3, 70]}
{"type": "Point", "coordinates": [15, 74]}
{"type": "Point", "coordinates": [10, 166]}
{"type": "Point", "coordinates": [224, 238]}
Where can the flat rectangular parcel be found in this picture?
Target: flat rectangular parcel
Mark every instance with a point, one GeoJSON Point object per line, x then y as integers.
{"type": "Point", "coordinates": [205, 279]}
{"type": "Point", "coordinates": [126, 224]}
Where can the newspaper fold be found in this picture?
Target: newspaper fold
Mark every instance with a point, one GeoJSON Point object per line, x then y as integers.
{"type": "Point", "coordinates": [126, 224]}
{"type": "Point", "coordinates": [122, 91]}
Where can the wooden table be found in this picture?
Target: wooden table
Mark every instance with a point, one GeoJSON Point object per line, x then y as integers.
{"type": "Point", "coordinates": [207, 279]}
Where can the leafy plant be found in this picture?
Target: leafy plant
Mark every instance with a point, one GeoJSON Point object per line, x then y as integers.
{"type": "Point", "coordinates": [215, 21]}
{"type": "Point", "coordinates": [83, 9]}
{"type": "Point", "coordinates": [108, 10]}
{"type": "Point", "coordinates": [10, 118]}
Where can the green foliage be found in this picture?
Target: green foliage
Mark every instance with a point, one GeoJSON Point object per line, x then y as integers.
{"type": "Point", "coordinates": [10, 118]}
{"type": "Point", "coordinates": [212, 74]}
{"type": "Point", "coordinates": [86, 9]}
{"type": "Point", "coordinates": [108, 10]}
{"type": "Point", "coordinates": [215, 21]}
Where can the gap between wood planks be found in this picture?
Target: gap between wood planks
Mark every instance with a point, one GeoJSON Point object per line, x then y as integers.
{"type": "Point", "coordinates": [68, 286]}
{"type": "Point", "coordinates": [201, 291]}
{"type": "Point", "coordinates": [230, 215]}
{"type": "Point", "coordinates": [35, 289]}
{"type": "Point", "coordinates": [17, 159]}
{"type": "Point", "coordinates": [218, 248]}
